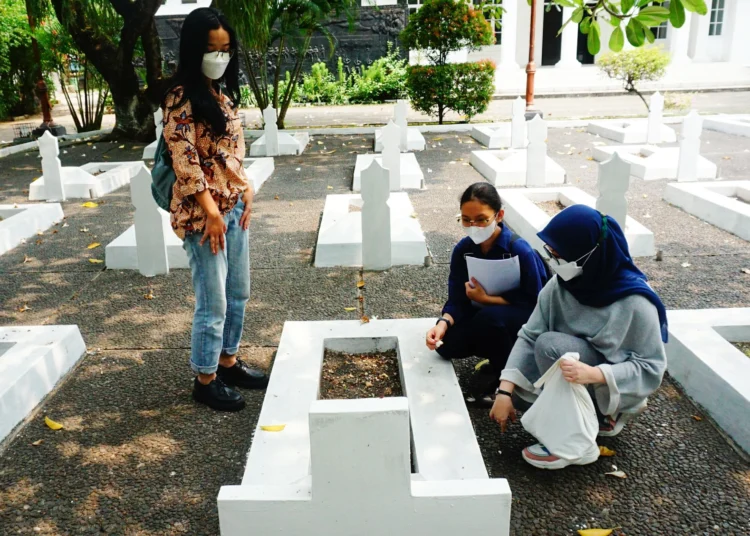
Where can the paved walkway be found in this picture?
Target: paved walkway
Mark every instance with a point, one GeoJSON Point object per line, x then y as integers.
{"type": "Point", "coordinates": [137, 457]}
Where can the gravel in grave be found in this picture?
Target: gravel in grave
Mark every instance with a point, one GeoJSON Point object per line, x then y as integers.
{"type": "Point", "coordinates": [349, 376]}
{"type": "Point", "coordinates": [743, 347]}
{"type": "Point", "coordinates": [551, 208]}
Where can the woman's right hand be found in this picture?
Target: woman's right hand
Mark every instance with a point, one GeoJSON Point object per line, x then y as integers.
{"type": "Point", "coordinates": [436, 334]}
{"type": "Point", "coordinates": [502, 410]}
{"type": "Point", "coordinates": [214, 232]}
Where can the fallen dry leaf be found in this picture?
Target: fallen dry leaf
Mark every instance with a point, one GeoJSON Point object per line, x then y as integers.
{"type": "Point", "coordinates": [329, 187]}
{"type": "Point", "coordinates": [23, 308]}
{"type": "Point", "coordinates": [350, 309]}
{"type": "Point", "coordinates": [96, 261]}
{"type": "Point", "coordinates": [745, 271]}
{"type": "Point", "coordinates": [595, 532]}
{"type": "Point", "coordinates": [39, 242]}
{"type": "Point", "coordinates": [40, 233]}
{"type": "Point", "coordinates": [726, 157]}
{"type": "Point", "coordinates": [686, 265]}
{"type": "Point", "coordinates": [93, 245]}
{"type": "Point", "coordinates": [89, 204]}
{"type": "Point", "coordinates": [276, 197]}
{"type": "Point", "coordinates": [618, 474]}
{"type": "Point", "coordinates": [26, 259]}
{"type": "Point", "coordinates": [38, 442]}
{"type": "Point", "coordinates": [273, 427]}
{"type": "Point", "coordinates": [150, 295]}
{"type": "Point", "coordinates": [84, 230]}
{"type": "Point", "coordinates": [52, 424]}
{"type": "Point", "coordinates": [697, 418]}
{"type": "Point", "coordinates": [121, 147]}
{"type": "Point", "coordinates": [361, 283]}
{"type": "Point", "coordinates": [365, 319]}
{"type": "Point", "coordinates": [604, 451]}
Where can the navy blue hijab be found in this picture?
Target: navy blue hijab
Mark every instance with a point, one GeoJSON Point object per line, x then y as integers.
{"type": "Point", "coordinates": [609, 274]}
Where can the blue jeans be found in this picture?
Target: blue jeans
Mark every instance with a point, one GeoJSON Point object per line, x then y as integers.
{"type": "Point", "coordinates": [222, 287]}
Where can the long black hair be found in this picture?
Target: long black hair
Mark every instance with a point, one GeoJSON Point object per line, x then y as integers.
{"type": "Point", "coordinates": [485, 193]}
{"type": "Point", "coordinates": [193, 44]}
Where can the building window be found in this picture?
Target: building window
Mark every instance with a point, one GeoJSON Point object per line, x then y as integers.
{"type": "Point", "coordinates": [717, 17]}
{"type": "Point", "coordinates": [496, 23]}
{"type": "Point", "coordinates": [660, 32]}
{"type": "Point", "coordinates": [414, 5]}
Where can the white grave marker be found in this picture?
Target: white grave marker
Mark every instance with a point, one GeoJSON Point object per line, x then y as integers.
{"type": "Point", "coordinates": [392, 154]}
{"type": "Point", "coordinates": [271, 130]}
{"type": "Point", "coordinates": [411, 139]}
{"type": "Point", "coordinates": [536, 153]}
{"type": "Point", "coordinates": [518, 124]}
{"type": "Point", "coordinates": [399, 116]}
{"type": "Point", "coordinates": [690, 148]}
{"type": "Point", "coordinates": [656, 109]}
{"type": "Point", "coordinates": [614, 181]}
{"type": "Point", "coordinates": [52, 168]}
{"type": "Point", "coordinates": [376, 219]}
{"type": "Point", "coordinates": [149, 152]}
{"type": "Point", "coordinates": [150, 238]}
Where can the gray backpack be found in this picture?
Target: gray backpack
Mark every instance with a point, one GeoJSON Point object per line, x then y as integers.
{"type": "Point", "coordinates": [162, 176]}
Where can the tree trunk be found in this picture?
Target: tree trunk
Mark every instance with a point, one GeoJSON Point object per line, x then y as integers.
{"type": "Point", "coordinates": [134, 116]}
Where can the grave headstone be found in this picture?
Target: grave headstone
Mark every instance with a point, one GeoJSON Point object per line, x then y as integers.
{"type": "Point", "coordinates": [399, 116]}
{"type": "Point", "coordinates": [271, 131]}
{"type": "Point", "coordinates": [613, 183]}
{"type": "Point", "coordinates": [159, 122]}
{"type": "Point", "coordinates": [536, 153]}
{"type": "Point", "coordinates": [518, 124]}
{"type": "Point", "coordinates": [690, 147]}
{"type": "Point", "coordinates": [392, 154]}
{"type": "Point", "coordinates": [376, 219]}
{"type": "Point", "coordinates": [656, 109]}
{"type": "Point", "coordinates": [151, 244]}
{"type": "Point", "coordinates": [52, 169]}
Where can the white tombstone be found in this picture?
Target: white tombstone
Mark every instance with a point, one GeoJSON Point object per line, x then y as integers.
{"type": "Point", "coordinates": [518, 124]}
{"type": "Point", "coordinates": [149, 152]}
{"type": "Point", "coordinates": [376, 219]}
{"type": "Point", "coordinates": [536, 153]}
{"type": "Point", "coordinates": [150, 239]}
{"type": "Point", "coordinates": [614, 181]}
{"type": "Point", "coordinates": [656, 109]}
{"type": "Point", "coordinates": [52, 169]}
{"type": "Point", "coordinates": [392, 154]}
{"type": "Point", "coordinates": [690, 148]}
{"type": "Point", "coordinates": [399, 117]}
{"type": "Point", "coordinates": [271, 131]}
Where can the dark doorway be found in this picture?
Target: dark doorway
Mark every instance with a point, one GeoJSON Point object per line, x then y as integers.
{"type": "Point", "coordinates": [551, 42]}
{"type": "Point", "coordinates": [582, 53]}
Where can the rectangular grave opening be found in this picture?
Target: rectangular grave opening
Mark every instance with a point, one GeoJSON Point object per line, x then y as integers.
{"type": "Point", "coordinates": [6, 213]}
{"type": "Point", "coordinates": [5, 346]}
{"type": "Point", "coordinates": [360, 368]}
{"type": "Point", "coordinates": [551, 208]}
{"type": "Point", "coordinates": [738, 336]}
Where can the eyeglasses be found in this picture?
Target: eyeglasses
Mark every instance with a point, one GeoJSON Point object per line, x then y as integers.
{"type": "Point", "coordinates": [556, 258]}
{"type": "Point", "coordinates": [482, 222]}
{"type": "Point", "coordinates": [552, 255]}
{"type": "Point", "coordinates": [221, 54]}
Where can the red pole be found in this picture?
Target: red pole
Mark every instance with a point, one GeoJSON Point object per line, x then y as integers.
{"type": "Point", "coordinates": [531, 66]}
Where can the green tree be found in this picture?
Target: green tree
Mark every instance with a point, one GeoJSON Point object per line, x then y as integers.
{"type": "Point", "coordinates": [17, 78]}
{"type": "Point", "coordinates": [634, 66]}
{"type": "Point", "coordinates": [287, 26]}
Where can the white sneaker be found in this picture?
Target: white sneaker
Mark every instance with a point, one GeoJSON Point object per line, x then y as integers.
{"type": "Point", "coordinates": [538, 456]}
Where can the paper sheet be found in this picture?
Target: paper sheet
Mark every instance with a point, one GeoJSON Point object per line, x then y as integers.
{"type": "Point", "coordinates": [496, 276]}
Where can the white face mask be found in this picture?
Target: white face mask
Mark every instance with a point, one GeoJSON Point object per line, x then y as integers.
{"type": "Point", "coordinates": [571, 270]}
{"type": "Point", "coordinates": [480, 234]}
{"type": "Point", "coordinates": [214, 65]}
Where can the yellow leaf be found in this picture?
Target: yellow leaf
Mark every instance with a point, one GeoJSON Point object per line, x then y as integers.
{"type": "Point", "coordinates": [360, 283]}
{"type": "Point", "coordinates": [329, 187]}
{"type": "Point", "coordinates": [697, 418]}
{"type": "Point", "coordinates": [93, 245]}
{"type": "Point", "coordinates": [96, 261]}
{"type": "Point", "coordinates": [595, 532]}
{"type": "Point", "coordinates": [52, 424]}
{"type": "Point", "coordinates": [24, 308]}
{"type": "Point", "coordinates": [481, 364]}
{"type": "Point", "coordinates": [121, 147]}
{"type": "Point", "coordinates": [38, 442]}
{"type": "Point", "coordinates": [604, 451]}
{"type": "Point", "coordinates": [273, 427]}
{"type": "Point", "coordinates": [350, 309]}
{"type": "Point", "coordinates": [90, 204]}
{"type": "Point", "coordinates": [150, 295]}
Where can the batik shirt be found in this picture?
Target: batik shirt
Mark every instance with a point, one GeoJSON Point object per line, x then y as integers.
{"type": "Point", "coordinates": [202, 160]}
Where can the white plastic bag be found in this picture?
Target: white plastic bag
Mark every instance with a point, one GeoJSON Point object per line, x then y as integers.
{"type": "Point", "coordinates": [563, 418]}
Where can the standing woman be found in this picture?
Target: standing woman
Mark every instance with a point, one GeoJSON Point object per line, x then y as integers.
{"type": "Point", "coordinates": [488, 330]}
{"type": "Point", "coordinates": [211, 203]}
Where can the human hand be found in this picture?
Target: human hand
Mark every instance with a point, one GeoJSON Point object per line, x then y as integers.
{"type": "Point", "coordinates": [247, 198]}
{"type": "Point", "coordinates": [475, 291]}
{"type": "Point", "coordinates": [435, 335]}
{"type": "Point", "coordinates": [215, 232]}
{"type": "Point", "coordinates": [581, 373]}
{"type": "Point", "coordinates": [503, 410]}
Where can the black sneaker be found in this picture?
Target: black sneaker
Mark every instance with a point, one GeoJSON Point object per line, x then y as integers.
{"type": "Point", "coordinates": [241, 375]}
{"type": "Point", "coordinates": [216, 395]}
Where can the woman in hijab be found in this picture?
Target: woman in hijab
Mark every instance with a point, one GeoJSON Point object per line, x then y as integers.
{"type": "Point", "coordinates": [599, 306]}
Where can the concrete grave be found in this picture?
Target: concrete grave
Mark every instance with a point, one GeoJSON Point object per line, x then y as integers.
{"type": "Point", "coordinates": [33, 359]}
{"type": "Point", "coordinates": [649, 162]}
{"type": "Point", "coordinates": [725, 204]}
{"type": "Point", "coordinates": [149, 152]}
{"type": "Point", "coordinates": [711, 370]}
{"type": "Point", "coordinates": [276, 143]}
{"type": "Point", "coordinates": [341, 465]}
{"type": "Point", "coordinates": [258, 170]}
{"type": "Point", "coordinates": [736, 124]}
{"type": "Point", "coordinates": [21, 222]}
{"type": "Point", "coordinates": [613, 183]}
{"type": "Point", "coordinates": [526, 218]}
{"type": "Point", "coordinates": [89, 181]}
{"type": "Point", "coordinates": [651, 130]}
{"type": "Point", "coordinates": [376, 218]}
{"type": "Point", "coordinates": [404, 169]}
{"type": "Point", "coordinates": [521, 167]}
{"type": "Point", "coordinates": [411, 138]}
{"type": "Point", "coordinates": [504, 135]}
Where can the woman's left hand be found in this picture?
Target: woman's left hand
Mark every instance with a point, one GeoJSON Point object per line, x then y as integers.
{"type": "Point", "coordinates": [578, 372]}
{"type": "Point", "coordinates": [247, 198]}
{"type": "Point", "coordinates": [475, 291]}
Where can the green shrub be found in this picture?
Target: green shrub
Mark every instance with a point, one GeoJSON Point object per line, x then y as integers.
{"type": "Point", "coordinates": [382, 81]}
{"type": "Point", "coordinates": [634, 66]}
{"type": "Point", "coordinates": [319, 85]}
{"type": "Point", "coordinates": [465, 88]}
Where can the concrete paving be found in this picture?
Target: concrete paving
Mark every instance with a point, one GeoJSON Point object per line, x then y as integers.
{"type": "Point", "coordinates": [137, 457]}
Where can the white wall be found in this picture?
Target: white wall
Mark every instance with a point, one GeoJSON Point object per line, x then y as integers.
{"type": "Point", "coordinates": [738, 40]}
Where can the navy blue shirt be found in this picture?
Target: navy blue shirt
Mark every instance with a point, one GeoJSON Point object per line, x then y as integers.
{"type": "Point", "coordinates": [533, 273]}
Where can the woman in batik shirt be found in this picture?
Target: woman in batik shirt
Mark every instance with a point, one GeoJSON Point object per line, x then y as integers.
{"type": "Point", "coordinates": [211, 203]}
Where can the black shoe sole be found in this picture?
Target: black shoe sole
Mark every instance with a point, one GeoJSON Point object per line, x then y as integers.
{"type": "Point", "coordinates": [231, 407]}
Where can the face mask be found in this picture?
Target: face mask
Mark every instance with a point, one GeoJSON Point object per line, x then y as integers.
{"type": "Point", "coordinates": [571, 270]}
{"type": "Point", "coordinates": [214, 67]}
{"type": "Point", "coordinates": [480, 234]}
